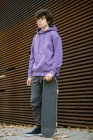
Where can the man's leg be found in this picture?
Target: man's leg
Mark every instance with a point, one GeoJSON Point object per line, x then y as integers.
{"type": "Point", "coordinates": [36, 99]}
{"type": "Point", "coordinates": [36, 103]}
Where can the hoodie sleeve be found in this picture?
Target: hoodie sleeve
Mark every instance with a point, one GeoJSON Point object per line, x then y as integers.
{"type": "Point", "coordinates": [58, 54]}
{"type": "Point", "coordinates": [31, 61]}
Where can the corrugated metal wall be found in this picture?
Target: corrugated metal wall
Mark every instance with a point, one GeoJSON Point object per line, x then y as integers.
{"type": "Point", "coordinates": [74, 21]}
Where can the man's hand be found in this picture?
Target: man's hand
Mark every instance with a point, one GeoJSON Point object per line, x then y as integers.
{"type": "Point", "coordinates": [29, 81]}
{"type": "Point", "coordinates": [48, 77]}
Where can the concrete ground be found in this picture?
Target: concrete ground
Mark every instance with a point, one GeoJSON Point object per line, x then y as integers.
{"type": "Point", "coordinates": [14, 132]}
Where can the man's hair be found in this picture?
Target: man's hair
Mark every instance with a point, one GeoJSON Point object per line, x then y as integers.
{"type": "Point", "coordinates": [46, 13]}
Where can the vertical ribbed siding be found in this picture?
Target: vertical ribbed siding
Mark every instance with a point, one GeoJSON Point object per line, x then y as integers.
{"type": "Point", "coordinates": [74, 22]}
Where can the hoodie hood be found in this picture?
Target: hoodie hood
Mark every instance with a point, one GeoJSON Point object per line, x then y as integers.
{"type": "Point", "coordinates": [51, 28]}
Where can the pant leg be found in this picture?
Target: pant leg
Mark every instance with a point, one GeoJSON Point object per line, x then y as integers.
{"type": "Point", "coordinates": [36, 99]}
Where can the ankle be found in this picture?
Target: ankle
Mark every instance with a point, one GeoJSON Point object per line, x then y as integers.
{"type": "Point", "coordinates": [39, 126]}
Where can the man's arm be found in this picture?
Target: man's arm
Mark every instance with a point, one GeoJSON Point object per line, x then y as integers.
{"type": "Point", "coordinates": [31, 62]}
{"type": "Point", "coordinates": [58, 54]}
{"type": "Point", "coordinates": [57, 58]}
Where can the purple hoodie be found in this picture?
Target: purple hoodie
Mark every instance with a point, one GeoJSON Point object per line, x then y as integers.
{"type": "Point", "coordinates": [46, 53]}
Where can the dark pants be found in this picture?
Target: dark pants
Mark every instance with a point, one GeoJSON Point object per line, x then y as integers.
{"type": "Point", "coordinates": [36, 98]}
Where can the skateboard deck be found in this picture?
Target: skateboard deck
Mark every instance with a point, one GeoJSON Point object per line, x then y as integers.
{"type": "Point", "coordinates": [49, 107]}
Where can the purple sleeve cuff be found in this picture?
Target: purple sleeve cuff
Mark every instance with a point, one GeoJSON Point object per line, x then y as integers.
{"type": "Point", "coordinates": [52, 72]}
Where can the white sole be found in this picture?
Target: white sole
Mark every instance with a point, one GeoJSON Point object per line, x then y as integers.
{"type": "Point", "coordinates": [27, 135]}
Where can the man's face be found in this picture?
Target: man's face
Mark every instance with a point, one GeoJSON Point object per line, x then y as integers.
{"type": "Point", "coordinates": [42, 22]}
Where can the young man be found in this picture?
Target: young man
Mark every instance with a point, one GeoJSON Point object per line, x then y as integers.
{"type": "Point", "coordinates": [45, 62]}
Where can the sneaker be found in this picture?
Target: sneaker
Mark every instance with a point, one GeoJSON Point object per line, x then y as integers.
{"type": "Point", "coordinates": [35, 131]}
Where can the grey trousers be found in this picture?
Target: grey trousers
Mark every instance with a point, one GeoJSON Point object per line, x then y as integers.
{"type": "Point", "coordinates": [36, 98]}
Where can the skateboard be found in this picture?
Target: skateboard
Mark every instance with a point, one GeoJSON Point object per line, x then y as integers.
{"type": "Point", "coordinates": [49, 107]}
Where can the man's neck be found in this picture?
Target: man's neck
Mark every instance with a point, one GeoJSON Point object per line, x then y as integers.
{"type": "Point", "coordinates": [45, 28]}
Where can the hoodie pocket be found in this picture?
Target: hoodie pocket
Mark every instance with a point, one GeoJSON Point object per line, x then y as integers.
{"type": "Point", "coordinates": [39, 62]}
{"type": "Point", "coordinates": [48, 61]}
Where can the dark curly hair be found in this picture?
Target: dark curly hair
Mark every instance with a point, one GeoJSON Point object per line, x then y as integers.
{"type": "Point", "coordinates": [46, 13]}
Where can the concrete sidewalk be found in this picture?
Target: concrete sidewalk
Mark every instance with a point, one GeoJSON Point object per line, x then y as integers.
{"type": "Point", "coordinates": [17, 133]}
